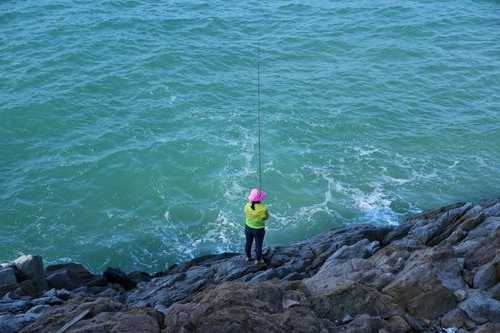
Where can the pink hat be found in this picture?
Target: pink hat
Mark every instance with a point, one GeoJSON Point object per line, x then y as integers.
{"type": "Point", "coordinates": [256, 195]}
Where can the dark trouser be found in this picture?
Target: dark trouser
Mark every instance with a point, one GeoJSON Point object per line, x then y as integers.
{"type": "Point", "coordinates": [250, 234]}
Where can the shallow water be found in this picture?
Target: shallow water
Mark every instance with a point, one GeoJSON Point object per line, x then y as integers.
{"type": "Point", "coordinates": [128, 127]}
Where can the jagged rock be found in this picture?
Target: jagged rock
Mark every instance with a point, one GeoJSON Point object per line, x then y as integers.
{"type": "Point", "coordinates": [8, 280]}
{"type": "Point", "coordinates": [488, 274]}
{"type": "Point", "coordinates": [455, 318]}
{"type": "Point", "coordinates": [102, 315]}
{"type": "Point", "coordinates": [14, 306]}
{"type": "Point", "coordinates": [68, 276]}
{"type": "Point", "coordinates": [488, 328]}
{"type": "Point", "coordinates": [481, 308]}
{"type": "Point", "coordinates": [354, 299]}
{"type": "Point", "coordinates": [236, 306]}
{"type": "Point", "coordinates": [38, 309]}
{"type": "Point", "coordinates": [52, 300]}
{"type": "Point", "coordinates": [480, 245]}
{"type": "Point", "coordinates": [114, 275]}
{"type": "Point", "coordinates": [427, 283]}
{"type": "Point", "coordinates": [139, 277]}
{"type": "Point", "coordinates": [264, 276]}
{"type": "Point", "coordinates": [345, 265]}
{"type": "Point", "coordinates": [59, 293]}
{"type": "Point", "coordinates": [495, 292]}
{"type": "Point", "coordinates": [11, 323]}
{"type": "Point", "coordinates": [31, 268]}
{"type": "Point", "coordinates": [365, 324]}
{"type": "Point", "coordinates": [398, 324]}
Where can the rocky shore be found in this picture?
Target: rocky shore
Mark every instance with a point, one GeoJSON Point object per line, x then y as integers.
{"type": "Point", "coordinates": [438, 271]}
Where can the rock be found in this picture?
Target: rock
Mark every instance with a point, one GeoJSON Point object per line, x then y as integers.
{"type": "Point", "coordinates": [14, 306]}
{"type": "Point", "coordinates": [480, 245]}
{"type": "Point", "coordinates": [8, 280]}
{"type": "Point", "coordinates": [11, 323]}
{"type": "Point", "coordinates": [114, 275]}
{"type": "Point", "coordinates": [398, 324]}
{"type": "Point", "coordinates": [68, 276]}
{"type": "Point", "coordinates": [138, 277]}
{"type": "Point", "coordinates": [246, 307]}
{"type": "Point", "coordinates": [488, 328]}
{"type": "Point", "coordinates": [265, 275]}
{"type": "Point", "coordinates": [427, 284]}
{"type": "Point", "coordinates": [346, 265]}
{"type": "Point", "coordinates": [102, 315]}
{"type": "Point", "coordinates": [38, 309]}
{"type": "Point", "coordinates": [455, 318]}
{"type": "Point", "coordinates": [354, 299]}
{"type": "Point", "coordinates": [481, 308]}
{"type": "Point", "coordinates": [28, 288]}
{"type": "Point", "coordinates": [495, 292]}
{"type": "Point", "coordinates": [31, 268]}
{"type": "Point", "coordinates": [47, 300]}
{"type": "Point", "coordinates": [365, 324]}
{"type": "Point", "coordinates": [487, 275]}
{"type": "Point", "coordinates": [460, 294]}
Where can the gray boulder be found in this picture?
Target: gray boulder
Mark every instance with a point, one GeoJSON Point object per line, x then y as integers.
{"type": "Point", "coordinates": [68, 276]}
{"type": "Point", "coordinates": [8, 280]}
{"type": "Point", "coordinates": [31, 268]}
{"type": "Point", "coordinates": [427, 284]}
{"type": "Point", "coordinates": [11, 323]}
{"type": "Point", "coordinates": [481, 308]}
{"type": "Point", "coordinates": [488, 275]}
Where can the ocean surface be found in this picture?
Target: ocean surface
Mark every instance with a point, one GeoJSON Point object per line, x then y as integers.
{"type": "Point", "coordinates": [128, 128]}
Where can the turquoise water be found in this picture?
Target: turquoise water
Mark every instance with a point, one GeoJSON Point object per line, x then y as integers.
{"type": "Point", "coordinates": [128, 128]}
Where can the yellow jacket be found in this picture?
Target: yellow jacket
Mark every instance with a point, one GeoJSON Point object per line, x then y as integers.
{"type": "Point", "coordinates": [256, 218]}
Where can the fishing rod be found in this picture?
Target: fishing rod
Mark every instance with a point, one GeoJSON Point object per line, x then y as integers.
{"type": "Point", "coordinates": [258, 120]}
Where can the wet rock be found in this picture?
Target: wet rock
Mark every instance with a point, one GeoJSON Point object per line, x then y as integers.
{"type": "Point", "coordinates": [31, 268]}
{"type": "Point", "coordinates": [114, 275]}
{"type": "Point", "coordinates": [8, 280]}
{"type": "Point", "coordinates": [68, 276]}
{"type": "Point", "coordinates": [139, 277]}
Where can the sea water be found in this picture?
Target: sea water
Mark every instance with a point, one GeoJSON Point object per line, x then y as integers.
{"type": "Point", "coordinates": [128, 129]}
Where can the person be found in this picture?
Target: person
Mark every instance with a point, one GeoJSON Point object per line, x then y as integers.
{"type": "Point", "coordinates": [256, 214]}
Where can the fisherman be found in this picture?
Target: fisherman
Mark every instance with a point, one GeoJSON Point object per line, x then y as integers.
{"type": "Point", "coordinates": [255, 216]}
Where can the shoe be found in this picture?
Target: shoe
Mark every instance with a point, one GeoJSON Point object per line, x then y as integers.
{"type": "Point", "coordinates": [260, 262]}
{"type": "Point", "coordinates": [248, 259]}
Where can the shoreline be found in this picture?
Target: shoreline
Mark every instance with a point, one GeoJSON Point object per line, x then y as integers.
{"type": "Point", "coordinates": [436, 270]}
